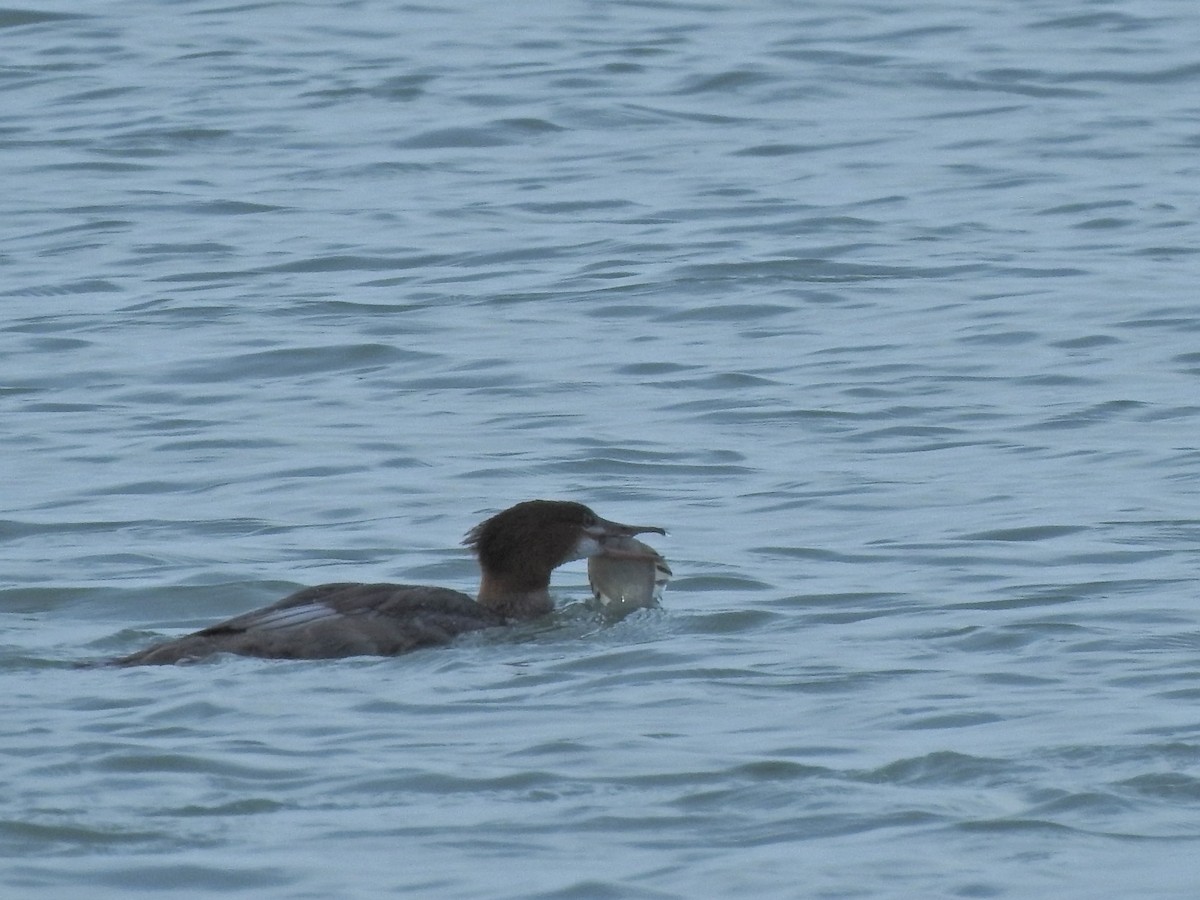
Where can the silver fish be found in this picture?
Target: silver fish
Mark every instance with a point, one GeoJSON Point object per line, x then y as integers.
{"type": "Point", "coordinates": [622, 585]}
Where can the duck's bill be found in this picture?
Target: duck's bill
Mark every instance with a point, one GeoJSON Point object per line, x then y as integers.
{"type": "Point", "coordinates": [616, 540]}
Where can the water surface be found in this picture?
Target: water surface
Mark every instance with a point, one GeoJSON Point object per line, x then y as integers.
{"type": "Point", "coordinates": [887, 313]}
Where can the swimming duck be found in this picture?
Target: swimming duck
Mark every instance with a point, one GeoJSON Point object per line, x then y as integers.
{"type": "Point", "coordinates": [517, 549]}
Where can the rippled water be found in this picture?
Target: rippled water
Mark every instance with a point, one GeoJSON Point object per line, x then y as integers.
{"type": "Point", "coordinates": [888, 311]}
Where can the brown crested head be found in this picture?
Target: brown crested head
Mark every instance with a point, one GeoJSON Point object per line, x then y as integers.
{"type": "Point", "coordinates": [522, 544]}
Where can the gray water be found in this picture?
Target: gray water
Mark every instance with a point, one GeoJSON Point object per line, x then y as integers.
{"type": "Point", "coordinates": [888, 311]}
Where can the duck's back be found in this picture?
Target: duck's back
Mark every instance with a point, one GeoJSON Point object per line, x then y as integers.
{"type": "Point", "coordinates": [333, 620]}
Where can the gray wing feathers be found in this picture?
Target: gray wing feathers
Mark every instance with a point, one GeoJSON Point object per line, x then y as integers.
{"type": "Point", "coordinates": [333, 620]}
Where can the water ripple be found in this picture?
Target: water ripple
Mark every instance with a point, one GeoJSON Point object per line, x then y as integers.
{"type": "Point", "coordinates": [884, 313]}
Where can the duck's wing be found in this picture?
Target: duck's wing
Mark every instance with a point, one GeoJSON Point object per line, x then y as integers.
{"type": "Point", "coordinates": [332, 620]}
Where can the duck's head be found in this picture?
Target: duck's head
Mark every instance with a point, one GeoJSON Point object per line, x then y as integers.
{"type": "Point", "coordinates": [519, 547]}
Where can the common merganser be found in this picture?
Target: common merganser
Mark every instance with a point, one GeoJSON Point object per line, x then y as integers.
{"type": "Point", "coordinates": [517, 550]}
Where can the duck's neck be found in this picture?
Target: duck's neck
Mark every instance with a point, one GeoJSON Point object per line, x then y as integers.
{"type": "Point", "coordinates": [512, 601]}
